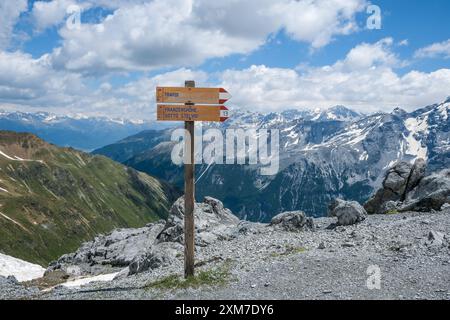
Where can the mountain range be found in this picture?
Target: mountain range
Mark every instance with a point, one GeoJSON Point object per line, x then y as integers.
{"type": "Point", "coordinates": [324, 154]}
{"type": "Point", "coordinates": [78, 131]}
{"type": "Point", "coordinates": [52, 199]}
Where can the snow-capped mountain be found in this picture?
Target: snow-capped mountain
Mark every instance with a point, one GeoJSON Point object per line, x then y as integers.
{"type": "Point", "coordinates": [323, 154]}
{"type": "Point", "coordinates": [78, 131]}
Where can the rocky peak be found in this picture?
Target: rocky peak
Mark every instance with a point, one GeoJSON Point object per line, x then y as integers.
{"type": "Point", "coordinates": [22, 145]}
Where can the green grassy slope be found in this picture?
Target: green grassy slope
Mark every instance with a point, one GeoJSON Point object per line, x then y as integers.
{"type": "Point", "coordinates": [52, 199]}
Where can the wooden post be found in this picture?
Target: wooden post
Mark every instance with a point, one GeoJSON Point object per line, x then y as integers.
{"type": "Point", "coordinates": [189, 195]}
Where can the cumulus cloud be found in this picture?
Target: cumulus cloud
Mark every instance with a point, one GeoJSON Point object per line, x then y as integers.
{"type": "Point", "coordinates": [52, 13]}
{"type": "Point", "coordinates": [31, 84]}
{"type": "Point", "coordinates": [9, 14]}
{"type": "Point", "coordinates": [317, 22]}
{"type": "Point", "coordinates": [163, 33]}
{"type": "Point", "coordinates": [47, 14]}
{"type": "Point", "coordinates": [440, 49]}
{"type": "Point", "coordinates": [365, 80]}
{"type": "Point", "coordinates": [24, 80]}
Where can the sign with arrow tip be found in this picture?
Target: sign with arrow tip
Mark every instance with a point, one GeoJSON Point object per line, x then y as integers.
{"type": "Point", "coordinates": [172, 112]}
{"type": "Point", "coordinates": [191, 95]}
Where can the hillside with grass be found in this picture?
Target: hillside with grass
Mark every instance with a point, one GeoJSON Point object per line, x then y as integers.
{"type": "Point", "coordinates": [52, 199]}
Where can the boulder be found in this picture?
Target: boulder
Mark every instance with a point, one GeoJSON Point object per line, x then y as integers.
{"type": "Point", "coordinates": [293, 221]}
{"type": "Point", "coordinates": [399, 180]}
{"type": "Point", "coordinates": [435, 239]}
{"type": "Point", "coordinates": [212, 222]}
{"type": "Point", "coordinates": [431, 193]}
{"type": "Point", "coordinates": [347, 212]}
{"type": "Point", "coordinates": [396, 178]}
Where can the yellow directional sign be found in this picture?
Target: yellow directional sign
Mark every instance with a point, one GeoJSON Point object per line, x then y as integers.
{"type": "Point", "coordinates": [191, 95]}
{"type": "Point", "coordinates": [167, 112]}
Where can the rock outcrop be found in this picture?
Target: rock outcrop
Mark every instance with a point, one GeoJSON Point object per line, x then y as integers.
{"type": "Point", "coordinates": [405, 188]}
{"type": "Point", "coordinates": [432, 193]}
{"type": "Point", "coordinates": [153, 246]}
{"type": "Point", "coordinates": [347, 212]}
{"type": "Point", "coordinates": [293, 221]}
{"type": "Point", "coordinates": [117, 249]}
{"type": "Point", "coordinates": [212, 222]}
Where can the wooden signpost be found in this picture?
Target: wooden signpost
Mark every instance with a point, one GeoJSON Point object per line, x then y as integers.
{"type": "Point", "coordinates": [169, 112]}
{"type": "Point", "coordinates": [184, 108]}
{"type": "Point", "coordinates": [191, 95]}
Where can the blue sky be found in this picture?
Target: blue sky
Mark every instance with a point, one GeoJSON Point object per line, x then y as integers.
{"type": "Point", "coordinates": [270, 54]}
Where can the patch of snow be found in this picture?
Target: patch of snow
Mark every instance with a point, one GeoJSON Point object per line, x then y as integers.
{"type": "Point", "coordinates": [83, 281]}
{"type": "Point", "coordinates": [364, 156]}
{"type": "Point", "coordinates": [288, 129]}
{"type": "Point", "coordinates": [12, 220]}
{"type": "Point", "coordinates": [16, 158]}
{"type": "Point", "coordinates": [22, 270]}
{"type": "Point", "coordinates": [415, 125]}
{"type": "Point", "coordinates": [4, 190]}
{"type": "Point", "coordinates": [413, 146]}
{"type": "Point", "coordinates": [293, 135]}
{"type": "Point", "coordinates": [137, 122]}
{"type": "Point", "coordinates": [6, 156]}
{"type": "Point", "coordinates": [331, 116]}
{"type": "Point", "coordinates": [390, 164]}
{"type": "Point", "coordinates": [444, 110]}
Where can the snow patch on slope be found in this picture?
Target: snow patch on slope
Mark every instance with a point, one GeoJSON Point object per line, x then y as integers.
{"type": "Point", "coordinates": [83, 281]}
{"type": "Point", "coordinates": [414, 147]}
{"type": "Point", "coordinates": [16, 158]}
{"type": "Point", "coordinates": [443, 109]}
{"type": "Point", "coordinates": [21, 270]}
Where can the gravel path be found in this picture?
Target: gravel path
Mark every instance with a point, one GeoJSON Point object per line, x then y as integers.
{"type": "Point", "coordinates": [322, 264]}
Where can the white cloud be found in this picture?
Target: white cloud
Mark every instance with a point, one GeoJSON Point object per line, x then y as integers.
{"type": "Point", "coordinates": [441, 49]}
{"type": "Point", "coordinates": [368, 55]}
{"type": "Point", "coordinates": [24, 80]}
{"type": "Point", "coordinates": [31, 84]}
{"type": "Point", "coordinates": [9, 14]}
{"type": "Point", "coordinates": [163, 33]}
{"type": "Point", "coordinates": [138, 97]}
{"type": "Point", "coordinates": [365, 80]}
{"type": "Point", "coordinates": [318, 22]}
{"type": "Point", "coordinates": [49, 13]}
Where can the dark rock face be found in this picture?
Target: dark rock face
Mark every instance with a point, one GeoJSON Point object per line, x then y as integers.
{"type": "Point", "coordinates": [347, 212]}
{"type": "Point", "coordinates": [293, 221]}
{"type": "Point", "coordinates": [417, 173]}
{"type": "Point", "coordinates": [432, 193]}
{"type": "Point", "coordinates": [405, 190]}
{"type": "Point", "coordinates": [399, 180]}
